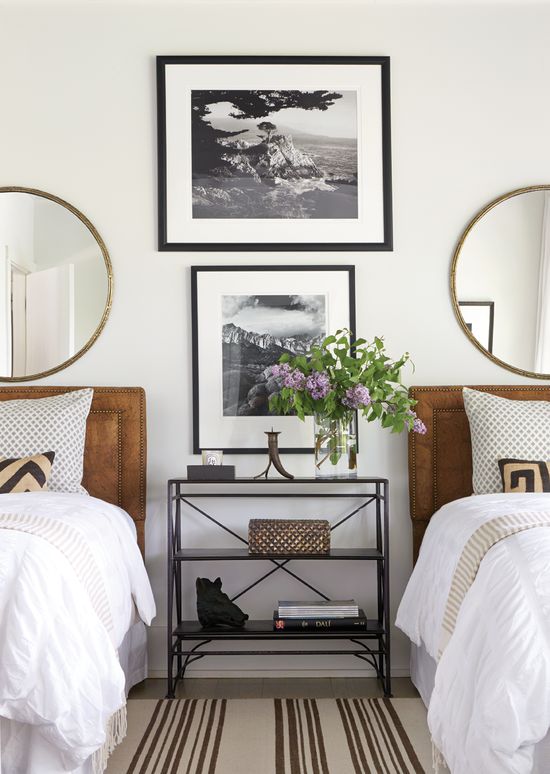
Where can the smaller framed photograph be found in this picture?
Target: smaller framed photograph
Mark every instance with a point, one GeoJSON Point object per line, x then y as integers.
{"type": "Point", "coordinates": [479, 317]}
{"type": "Point", "coordinates": [243, 319]}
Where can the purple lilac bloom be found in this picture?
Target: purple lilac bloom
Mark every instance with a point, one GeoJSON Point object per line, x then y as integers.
{"type": "Point", "coordinates": [356, 397]}
{"type": "Point", "coordinates": [419, 427]}
{"type": "Point", "coordinates": [280, 369]}
{"type": "Point", "coordinates": [418, 424]}
{"type": "Point", "coordinates": [295, 379]}
{"type": "Point", "coordinates": [318, 385]}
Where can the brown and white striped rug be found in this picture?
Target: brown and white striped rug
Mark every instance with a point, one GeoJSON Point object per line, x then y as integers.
{"type": "Point", "coordinates": [274, 736]}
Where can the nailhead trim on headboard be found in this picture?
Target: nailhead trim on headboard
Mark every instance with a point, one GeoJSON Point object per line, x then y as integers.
{"type": "Point", "coordinates": [433, 403]}
{"type": "Point", "coordinates": [128, 404]}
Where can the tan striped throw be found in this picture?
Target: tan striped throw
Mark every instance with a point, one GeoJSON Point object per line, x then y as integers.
{"type": "Point", "coordinates": [489, 533]}
{"type": "Point", "coordinates": [72, 544]}
{"type": "Point", "coordinates": [269, 736]}
{"type": "Point", "coordinates": [26, 474]}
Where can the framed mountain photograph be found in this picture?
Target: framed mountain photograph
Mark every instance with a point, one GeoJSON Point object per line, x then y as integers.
{"type": "Point", "coordinates": [274, 153]}
{"type": "Point", "coordinates": [243, 319]}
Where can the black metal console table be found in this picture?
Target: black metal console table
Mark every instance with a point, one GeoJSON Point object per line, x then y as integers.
{"type": "Point", "coordinates": [182, 634]}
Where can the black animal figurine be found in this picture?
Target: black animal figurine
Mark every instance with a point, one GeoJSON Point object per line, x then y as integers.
{"type": "Point", "coordinates": [214, 608]}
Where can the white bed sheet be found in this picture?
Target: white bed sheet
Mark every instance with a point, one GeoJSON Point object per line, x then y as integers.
{"type": "Point", "coordinates": [46, 619]}
{"type": "Point", "coordinates": [490, 704]}
{"type": "Point", "coordinates": [23, 750]}
{"type": "Point", "coordinates": [423, 668]}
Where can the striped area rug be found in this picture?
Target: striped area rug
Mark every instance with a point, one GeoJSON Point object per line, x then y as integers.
{"type": "Point", "coordinates": [272, 736]}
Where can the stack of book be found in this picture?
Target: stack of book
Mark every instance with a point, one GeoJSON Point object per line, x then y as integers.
{"type": "Point", "coordinates": [319, 616]}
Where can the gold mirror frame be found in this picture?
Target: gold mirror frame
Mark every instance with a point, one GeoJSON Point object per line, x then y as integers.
{"type": "Point", "coordinates": [454, 264]}
{"type": "Point", "coordinates": [108, 266]}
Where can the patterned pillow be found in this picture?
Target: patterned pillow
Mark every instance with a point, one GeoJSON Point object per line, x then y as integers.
{"type": "Point", "coordinates": [26, 474]}
{"type": "Point", "coordinates": [525, 475]}
{"type": "Point", "coordinates": [504, 429]}
{"type": "Point", "coordinates": [28, 426]}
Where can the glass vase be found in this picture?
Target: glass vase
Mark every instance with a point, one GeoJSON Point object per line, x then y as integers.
{"type": "Point", "coordinates": [335, 446]}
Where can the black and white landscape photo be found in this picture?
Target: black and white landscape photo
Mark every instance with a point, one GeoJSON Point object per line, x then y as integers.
{"type": "Point", "coordinates": [274, 154]}
{"type": "Point", "coordinates": [256, 331]}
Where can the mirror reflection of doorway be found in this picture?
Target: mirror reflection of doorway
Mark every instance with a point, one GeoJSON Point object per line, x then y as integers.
{"type": "Point", "coordinates": [49, 318]}
{"type": "Point", "coordinates": [18, 319]}
{"type": "Point", "coordinates": [41, 324]}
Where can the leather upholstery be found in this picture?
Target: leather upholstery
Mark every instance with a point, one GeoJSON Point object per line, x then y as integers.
{"type": "Point", "coordinates": [440, 462]}
{"type": "Point", "coordinates": [115, 452]}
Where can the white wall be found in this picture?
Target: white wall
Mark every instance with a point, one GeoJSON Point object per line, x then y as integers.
{"type": "Point", "coordinates": [470, 120]}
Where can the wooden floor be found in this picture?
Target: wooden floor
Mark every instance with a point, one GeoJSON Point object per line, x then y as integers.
{"type": "Point", "coordinates": [274, 688]}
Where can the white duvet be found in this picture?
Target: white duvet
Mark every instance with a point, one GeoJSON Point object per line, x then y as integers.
{"type": "Point", "coordinates": [59, 668]}
{"type": "Point", "coordinates": [491, 701]}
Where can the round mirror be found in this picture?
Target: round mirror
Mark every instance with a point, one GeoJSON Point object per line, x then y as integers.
{"type": "Point", "coordinates": [500, 281]}
{"type": "Point", "coordinates": [56, 284]}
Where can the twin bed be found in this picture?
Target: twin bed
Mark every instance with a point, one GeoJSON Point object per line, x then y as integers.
{"type": "Point", "coordinates": [487, 686]}
{"type": "Point", "coordinates": [75, 597]}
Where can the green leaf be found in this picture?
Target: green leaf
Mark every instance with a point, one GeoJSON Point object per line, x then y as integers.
{"type": "Point", "coordinates": [387, 421]}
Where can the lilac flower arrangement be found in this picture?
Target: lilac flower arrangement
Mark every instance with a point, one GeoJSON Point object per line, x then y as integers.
{"type": "Point", "coordinates": [341, 376]}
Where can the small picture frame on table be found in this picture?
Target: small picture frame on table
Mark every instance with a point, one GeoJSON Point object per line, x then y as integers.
{"type": "Point", "coordinates": [211, 457]}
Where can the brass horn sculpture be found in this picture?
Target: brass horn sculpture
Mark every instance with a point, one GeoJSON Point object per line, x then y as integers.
{"type": "Point", "coordinates": [273, 452]}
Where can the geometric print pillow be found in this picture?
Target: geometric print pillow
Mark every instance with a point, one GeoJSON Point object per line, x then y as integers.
{"type": "Point", "coordinates": [504, 429]}
{"type": "Point", "coordinates": [28, 474]}
{"type": "Point", "coordinates": [30, 425]}
{"type": "Point", "coordinates": [525, 475]}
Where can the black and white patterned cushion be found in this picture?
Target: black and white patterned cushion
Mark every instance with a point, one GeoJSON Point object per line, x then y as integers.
{"type": "Point", "coordinates": [26, 474]}
{"type": "Point", "coordinates": [525, 475]}
{"type": "Point", "coordinates": [502, 428]}
{"type": "Point", "coordinates": [28, 426]}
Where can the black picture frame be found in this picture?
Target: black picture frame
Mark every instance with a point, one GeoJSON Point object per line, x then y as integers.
{"type": "Point", "coordinates": [383, 159]}
{"type": "Point", "coordinates": [490, 306]}
{"type": "Point", "coordinates": [327, 274]}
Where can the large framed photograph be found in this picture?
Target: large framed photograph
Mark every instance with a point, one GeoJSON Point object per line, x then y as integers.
{"type": "Point", "coordinates": [243, 319]}
{"type": "Point", "coordinates": [274, 153]}
{"type": "Point", "coordinates": [479, 317]}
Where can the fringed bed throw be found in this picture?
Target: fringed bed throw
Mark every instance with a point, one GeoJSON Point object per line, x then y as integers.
{"type": "Point", "coordinates": [115, 733]}
{"type": "Point", "coordinates": [75, 548]}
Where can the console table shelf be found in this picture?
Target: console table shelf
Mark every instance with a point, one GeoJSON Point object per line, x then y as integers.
{"type": "Point", "coordinates": [186, 640]}
{"type": "Point", "coordinates": [241, 554]}
{"type": "Point", "coordinates": [264, 630]}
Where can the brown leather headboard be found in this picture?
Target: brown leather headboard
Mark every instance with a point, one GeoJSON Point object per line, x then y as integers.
{"type": "Point", "coordinates": [440, 462]}
{"type": "Point", "coordinates": [115, 454]}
